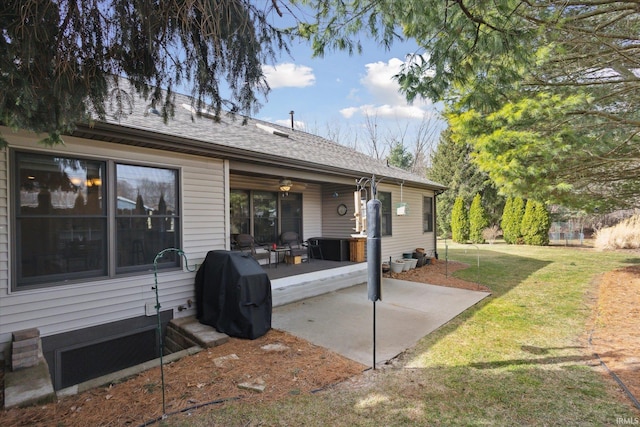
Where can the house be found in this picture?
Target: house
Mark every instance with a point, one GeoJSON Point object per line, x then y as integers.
{"type": "Point", "coordinates": [82, 222]}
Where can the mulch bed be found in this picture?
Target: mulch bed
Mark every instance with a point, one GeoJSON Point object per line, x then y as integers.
{"type": "Point", "coordinates": [615, 336]}
{"type": "Point", "coordinates": [212, 376]}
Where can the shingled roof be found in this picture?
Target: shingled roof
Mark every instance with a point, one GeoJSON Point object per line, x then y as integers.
{"type": "Point", "coordinates": [240, 138]}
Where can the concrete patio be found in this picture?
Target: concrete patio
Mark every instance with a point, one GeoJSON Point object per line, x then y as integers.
{"type": "Point", "coordinates": [342, 320]}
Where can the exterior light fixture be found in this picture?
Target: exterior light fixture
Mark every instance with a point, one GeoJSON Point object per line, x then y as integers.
{"type": "Point", "coordinates": [285, 185]}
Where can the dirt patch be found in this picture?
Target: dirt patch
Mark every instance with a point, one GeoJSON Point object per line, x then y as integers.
{"type": "Point", "coordinates": [295, 366]}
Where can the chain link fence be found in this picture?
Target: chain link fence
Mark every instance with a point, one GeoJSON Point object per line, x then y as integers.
{"type": "Point", "coordinates": [568, 233]}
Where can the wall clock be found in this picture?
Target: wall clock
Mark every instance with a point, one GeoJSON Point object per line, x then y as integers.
{"type": "Point", "coordinates": [342, 209]}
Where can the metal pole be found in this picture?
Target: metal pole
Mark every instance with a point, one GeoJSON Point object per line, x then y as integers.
{"type": "Point", "coordinates": [374, 260]}
{"type": "Point", "coordinates": [374, 248]}
{"type": "Point", "coordinates": [159, 325]}
{"type": "Point", "coordinates": [446, 259]}
{"type": "Point", "coordinates": [374, 335]}
{"type": "Point", "coordinates": [157, 307]}
{"type": "Point", "coordinates": [478, 269]}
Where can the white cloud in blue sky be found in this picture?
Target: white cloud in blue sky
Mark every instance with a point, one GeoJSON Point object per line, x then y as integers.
{"type": "Point", "coordinates": [288, 74]}
{"type": "Point", "coordinates": [385, 111]}
{"type": "Point", "coordinates": [339, 91]}
{"type": "Point", "coordinates": [380, 83]}
{"type": "Point", "coordinates": [376, 92]}
{"type": "Point", "coordinates": [388, 102]}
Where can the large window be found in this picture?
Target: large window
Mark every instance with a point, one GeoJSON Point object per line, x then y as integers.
{"type": "Point", "coordinates": [66, 229]}
{"type": "Point", "coordinates": [427, 214]}
{"type": "Point", "coordinates": [385, 213]}
{"type": "Point", "coordinates": [146, 199]}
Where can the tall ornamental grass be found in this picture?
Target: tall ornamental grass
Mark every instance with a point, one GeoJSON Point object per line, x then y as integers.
{"type": "Point", "coordinates": [624, 235]}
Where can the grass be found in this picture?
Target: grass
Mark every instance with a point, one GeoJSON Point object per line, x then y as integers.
{"type": "Point", "coordinates": [519, 357]}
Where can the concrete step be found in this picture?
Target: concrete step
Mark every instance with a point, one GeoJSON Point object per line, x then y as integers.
{"type": "Point", "coordinates": [195, 332]}
{"type": "Point", "coordinates": [28, 386]}
{"type": "Point", "coordinates": [176, 340]}
{"type": "Point", "coordinates": [170, 346]}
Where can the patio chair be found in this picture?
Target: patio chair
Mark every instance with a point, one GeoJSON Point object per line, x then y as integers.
{"type": "Point", "coordinates": [315, 250]}
{"type": "Point", "coordinates": [247, 244]}
{"type": "Point", "coordinates": [291, 240]}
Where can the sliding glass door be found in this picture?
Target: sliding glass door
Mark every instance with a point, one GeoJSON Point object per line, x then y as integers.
{"type": "Point", "coordinates": [291, 213]}
{"type": "Point", "coordinates": [265, 214]}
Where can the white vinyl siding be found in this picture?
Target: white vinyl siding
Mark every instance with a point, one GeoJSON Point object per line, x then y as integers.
{"type": "Point", "coordinates": [93, 302]}
{"type": "Point", "coordinates": [407, 229]}
{"type": "Point", "coordinates": [333, 224]}
{"type": "Point", "coordinates": [407, 232]}
{"type": "Point", "coordinates": [311, 212]}
{"type": "Point", "coordinates": [203, 207]}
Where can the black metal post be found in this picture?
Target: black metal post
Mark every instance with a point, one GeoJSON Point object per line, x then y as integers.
{"type": "Point", "coordinates": [374, 335]}
{"type": "Point", "coordinates": [374, 260]}
{"type": "Point", "coordinates": [157, 307]}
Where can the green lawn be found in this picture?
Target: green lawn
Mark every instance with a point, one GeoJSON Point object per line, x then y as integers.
{"type": "Point", "coordinates": [519, 357]}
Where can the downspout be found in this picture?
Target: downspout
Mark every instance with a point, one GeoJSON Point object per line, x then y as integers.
{"type": "Point", "coordinates": [227, 204]}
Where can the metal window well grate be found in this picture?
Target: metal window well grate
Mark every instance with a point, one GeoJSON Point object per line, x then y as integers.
{"type": "Point", "coordinates": [84, 363]}
{"type": "Point", "coordinates": [84, 354]}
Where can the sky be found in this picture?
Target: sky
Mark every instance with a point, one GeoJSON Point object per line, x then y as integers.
{"type": "Point", "coordinates": [332, 96]}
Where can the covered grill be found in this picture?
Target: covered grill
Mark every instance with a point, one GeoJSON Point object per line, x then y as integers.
{"type": "Point", "coordinates": [233, 294]}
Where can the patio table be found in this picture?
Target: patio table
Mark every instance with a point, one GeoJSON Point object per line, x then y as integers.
{"type": "Point", "coordinates": [277, 250]}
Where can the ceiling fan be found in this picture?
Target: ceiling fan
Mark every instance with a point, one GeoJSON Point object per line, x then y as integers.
{"type": "Point", "coordinates": [285, 185]}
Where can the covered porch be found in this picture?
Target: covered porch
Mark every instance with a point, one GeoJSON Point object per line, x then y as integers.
{"type": "Point", "coordinates": [323, 206]}
{"type": "Point", "coordinates": [309, 207]}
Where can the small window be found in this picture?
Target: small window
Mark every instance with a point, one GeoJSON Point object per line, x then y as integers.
{"type": "Point", "coordinates": [385, 215]}
{"type": "Point", "coordinates": [427, 214]}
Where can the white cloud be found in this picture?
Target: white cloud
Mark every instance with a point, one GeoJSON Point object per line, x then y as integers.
{"type": "Point", "coordinates": [386, 111]}
{"type": "Point", "coordinates": [400, 111]}
{"type": "Point", "coordinates": [354, 95]}
{"type": "Point", "coordinates": [288, 75]}
{"type": "Point", "coordinates": [349, 112]}
{"type": "Point", "coordinates": [388, 102]}
{"type": "Point", "coordinates": [380, 83]}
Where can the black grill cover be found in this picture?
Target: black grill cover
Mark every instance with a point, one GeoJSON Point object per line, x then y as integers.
{"type": "Point", "coordinates": [233, 294]}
